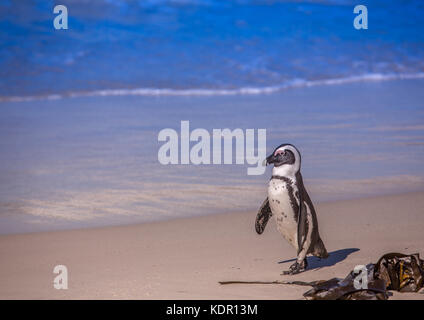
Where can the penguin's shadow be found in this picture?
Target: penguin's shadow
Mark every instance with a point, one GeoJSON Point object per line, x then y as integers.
{"type": "Point", "coordinates": [334, 258]}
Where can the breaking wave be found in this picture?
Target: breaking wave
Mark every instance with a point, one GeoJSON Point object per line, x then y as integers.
{"type": "Point", "coordinates": [296, 83]}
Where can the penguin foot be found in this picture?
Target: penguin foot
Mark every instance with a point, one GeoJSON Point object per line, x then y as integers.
{"type": "Point", "coordinates": [296, 268]}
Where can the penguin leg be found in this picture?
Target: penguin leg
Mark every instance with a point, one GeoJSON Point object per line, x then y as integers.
{"type": "Point", "coordinates": [301, 263]}
{"type": "Point", "coordinates": [304, 241]}
{"type": "Point", "coordinates": [301, 256]}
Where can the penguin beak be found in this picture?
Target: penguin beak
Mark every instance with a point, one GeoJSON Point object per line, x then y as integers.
{"type": "Point", "coordinates": [269, 160]}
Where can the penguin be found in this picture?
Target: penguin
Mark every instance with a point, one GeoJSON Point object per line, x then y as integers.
{"type": "Point", "coordinates": [289, 203]}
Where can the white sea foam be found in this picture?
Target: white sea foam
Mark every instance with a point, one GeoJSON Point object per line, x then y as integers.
{"type": "Point", "coordinates": [296, 83]}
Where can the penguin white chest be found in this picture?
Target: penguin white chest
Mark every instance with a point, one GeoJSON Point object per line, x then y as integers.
{"type": "Point", "coordinates": [280, 202]}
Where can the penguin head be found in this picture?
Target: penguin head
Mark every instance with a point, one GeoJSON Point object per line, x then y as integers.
{"type": "Point", "coordinates": [286, 160]}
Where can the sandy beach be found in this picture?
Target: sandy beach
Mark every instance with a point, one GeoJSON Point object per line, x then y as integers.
{"type": "Point", "coordinates": [185, 258]}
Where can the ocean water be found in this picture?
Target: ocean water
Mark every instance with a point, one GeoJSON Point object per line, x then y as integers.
{"type": "Point", "coordinates": [152, 47]}
{"type": "Point", "coordinates": [81, 109]}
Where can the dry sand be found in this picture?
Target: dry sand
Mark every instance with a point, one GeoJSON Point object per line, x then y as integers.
{"type": "Point", "coordinates": [185, 258]}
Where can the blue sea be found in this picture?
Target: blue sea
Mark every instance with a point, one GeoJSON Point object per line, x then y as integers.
{"type": "Point", "coordinates": [81, 109]}
{"type": "Point", "coordinates": [220, 47]}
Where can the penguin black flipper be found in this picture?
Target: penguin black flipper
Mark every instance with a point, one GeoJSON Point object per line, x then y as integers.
{"type": "Point", "coordinates": [263, 216]}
